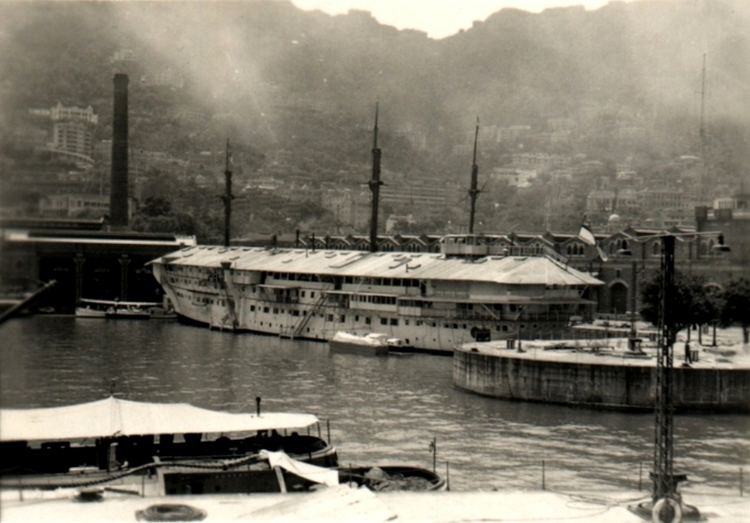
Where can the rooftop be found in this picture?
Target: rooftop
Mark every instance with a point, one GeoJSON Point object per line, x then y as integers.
{"type": "Point", "coordinates": [510, 270]}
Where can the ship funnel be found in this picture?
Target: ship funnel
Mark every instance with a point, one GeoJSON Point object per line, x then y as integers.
{"type": "Point", "coordinates": [118, 195]}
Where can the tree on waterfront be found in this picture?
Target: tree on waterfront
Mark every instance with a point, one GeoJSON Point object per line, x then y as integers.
{"type": "Point", "coordinates": [693, 303]}
{"type": "Point", "coordinates": [736, 306]}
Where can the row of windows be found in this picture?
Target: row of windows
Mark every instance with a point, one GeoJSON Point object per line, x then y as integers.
{"type": "Point", "coordinates": [378, 300]}
{"type": "Point", "coordinates": [210, 301]}
{"type": "Point", "coordinates": [575, 249]}
{"type": "Point", "coordinates": [415, 303]}
{"type": "Point", "coordinates": [188, 281]}
{"type": "Point", "coordinates": [395, 282]}
{"type": "Point", "coordinates": [394, 322]}
{"type": "Point", "coordinates": [291, 276]}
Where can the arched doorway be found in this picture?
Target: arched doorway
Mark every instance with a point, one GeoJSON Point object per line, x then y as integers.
{"type": "Point", "coordinates": [618, 298]}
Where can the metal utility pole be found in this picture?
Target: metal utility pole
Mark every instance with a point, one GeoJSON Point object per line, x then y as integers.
{"type": "Point", "coordinates": [473, 191]}
{"type": "Point", "coordinates": [663, 475]}
{"type": "Point", "coordinates": [228, 196]}
{"type": "Point", "coordinates": [702, 132]}
{"type": "Point", "coordinates": [632, 338]}
{"type": "Point", "coordinates": [702, 128]}
{"type": "Point", "coordinates": [375, 184]}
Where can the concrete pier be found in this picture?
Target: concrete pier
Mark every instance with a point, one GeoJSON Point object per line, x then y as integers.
{"type": "Point", "coordinates": [602, 373]}
{"type": "Point", "coordinates": [342, 503]}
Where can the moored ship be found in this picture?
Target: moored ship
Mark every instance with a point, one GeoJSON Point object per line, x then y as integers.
{"type": "Point", "coordinates": [431, 301]}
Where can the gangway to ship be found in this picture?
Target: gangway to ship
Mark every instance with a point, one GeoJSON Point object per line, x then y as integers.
{"type": "Point", "coordinates": [306, 317]}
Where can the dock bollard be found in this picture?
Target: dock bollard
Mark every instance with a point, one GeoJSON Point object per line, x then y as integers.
{"type": "Point", "coordinates": [433, 448]}
{"type": "Point", "coordinates": [447, 476]}
{"type": "Point", "coordinates": [640, 475]}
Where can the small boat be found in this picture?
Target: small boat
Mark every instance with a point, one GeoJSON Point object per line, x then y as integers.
{"type": "Point", "coordinates": [389, 478]}
{"type": "Point", "coordinates": [116, 441]}
{"type": "Point", "coordinates": [161, 313]}
{"type": "Point", "coordinates": [128, 310]}
{"type": "Point", "coordinates": [277, 472]}
{"type": "Point", "coordinates": [374, 344]}
{"type": "Point", "coordinates": [87, 310]}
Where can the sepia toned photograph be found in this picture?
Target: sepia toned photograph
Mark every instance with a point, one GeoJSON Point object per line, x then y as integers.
{"type": "Point", "coordinates": [375, 260]}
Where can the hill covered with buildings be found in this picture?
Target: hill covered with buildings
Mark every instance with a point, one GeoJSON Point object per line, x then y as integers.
{"type": "Point", "coordinates": [582, 113]}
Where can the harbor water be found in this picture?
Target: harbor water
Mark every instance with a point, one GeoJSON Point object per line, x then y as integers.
{"type": "Point", "coordinates": [381, 410]}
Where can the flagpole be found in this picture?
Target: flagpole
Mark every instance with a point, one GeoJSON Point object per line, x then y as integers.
{"type": "Point", "coordinates": [228, 196]}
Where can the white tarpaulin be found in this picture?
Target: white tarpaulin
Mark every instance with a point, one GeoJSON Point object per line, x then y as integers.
{"type": "Point", "coordinates": [116, 417]}
{"type": "Point", "coordinates": [325, 476]}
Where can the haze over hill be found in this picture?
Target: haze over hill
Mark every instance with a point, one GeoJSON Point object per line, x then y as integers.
{"type": "Point", "coordinates": [273, 77]}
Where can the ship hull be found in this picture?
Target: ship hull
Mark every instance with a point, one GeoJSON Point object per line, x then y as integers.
{"type": "Point", "coordinates": [432, 335]}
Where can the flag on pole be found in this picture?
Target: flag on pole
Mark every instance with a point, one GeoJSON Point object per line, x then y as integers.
{"type": "Point", "coordinates": [587, 237]}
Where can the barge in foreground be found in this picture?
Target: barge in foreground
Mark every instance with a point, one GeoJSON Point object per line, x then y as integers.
{"type": "Point", "coordinates": [602, 373]}
{"type": "Point", "coordinates": [431, 301]}
{"type": "Point", "coordinates": [109, 439]}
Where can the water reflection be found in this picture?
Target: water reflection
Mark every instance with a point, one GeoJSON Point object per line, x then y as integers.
{"type": "Point", "coordinates": [382, 410]}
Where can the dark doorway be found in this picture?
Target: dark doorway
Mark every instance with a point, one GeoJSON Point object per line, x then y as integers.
{"type": "Point", "coordinates": [618, 298]}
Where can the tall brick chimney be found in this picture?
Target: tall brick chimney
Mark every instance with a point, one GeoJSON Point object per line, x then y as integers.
{"type": "Point", "coordinates": [118, 194]}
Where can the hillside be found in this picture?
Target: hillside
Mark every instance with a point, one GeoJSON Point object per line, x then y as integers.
{"type": "Point", "coordinates": [275, 78]}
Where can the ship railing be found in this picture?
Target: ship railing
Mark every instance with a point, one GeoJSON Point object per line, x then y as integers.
{"type": "Point", "coordinates": [278, 301]}
{"type": "Point", "coordinates": [548, 316]}
{"type": "Point", "coordinates": [485, 316]}
{"type": "Point", "coordinates": [613, 317]}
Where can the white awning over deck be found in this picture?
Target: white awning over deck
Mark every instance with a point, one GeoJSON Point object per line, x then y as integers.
{"type": "Point", "coordinates": [114, 417]}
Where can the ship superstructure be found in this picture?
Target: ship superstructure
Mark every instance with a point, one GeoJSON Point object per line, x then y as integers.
{"type": "Point", "coordinates": [431, 301]}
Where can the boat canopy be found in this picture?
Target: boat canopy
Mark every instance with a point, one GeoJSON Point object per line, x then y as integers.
{"type": "Point", "coordinates": [112, 417]}
{"type": "Point", "coordinates": [120, 303]}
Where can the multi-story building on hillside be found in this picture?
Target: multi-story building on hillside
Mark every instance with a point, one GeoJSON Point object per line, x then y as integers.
{"type": "Point", "coordinates": [420, 198]}
{"type": "Point", "coordinates": [73, 205]}
{"type": "Point", "coordinates": [72, 130]}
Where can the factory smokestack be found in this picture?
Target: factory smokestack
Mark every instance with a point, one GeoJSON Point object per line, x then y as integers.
{"type": "Point", "coordinates": [118, 194]}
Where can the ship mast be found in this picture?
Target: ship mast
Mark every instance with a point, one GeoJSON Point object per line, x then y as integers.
{"type": "Point", "coordinates": [473, 191]}
{"type": "Point", "coordinates": [228, 196]}
{"type": "Point", "coordinates": [375, 184]}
